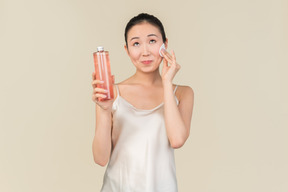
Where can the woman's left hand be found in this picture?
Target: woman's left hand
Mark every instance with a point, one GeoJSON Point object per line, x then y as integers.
{"type": "Point", "coordinates": [169, 72]}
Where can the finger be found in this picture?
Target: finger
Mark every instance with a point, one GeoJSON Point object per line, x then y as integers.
{"type": "Point", "coordinates": [93, 76]}
{"type": "Point", "coordinates": [168, 58]}
{"type": "Point", "coordinates": [173, 55]}
{"type": "Point", "coordinates": [97, 83]}
{"type": "Point", "coordinates": [99, 90]}
{"type": "Point", "coordinates": [113, 79]}
{"type": "Point", "coordinates": [165, 66]}
{"type": "Point", "coordinates": [167, 54]}
{"type": "Point", "coordinates": [100, 96]}
{"type": "Point", "coordinates": [94, 98]}
{"type": "Point", "coordinates": [174, 63]}
{"type": "Point", "coordinates": [178, 67]}
{"type": "Point", "coordinates": [165, 62]}
{"type": "Point", "coordinates": [94, 82]}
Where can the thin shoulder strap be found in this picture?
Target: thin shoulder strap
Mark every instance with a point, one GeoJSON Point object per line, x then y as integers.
{"type": "Point", "coordinates": [175, 88]}
{"type": "Point", "coordinates": [117, 89]}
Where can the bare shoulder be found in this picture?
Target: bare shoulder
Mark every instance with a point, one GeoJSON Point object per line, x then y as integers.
{"type": "Point", "coordinates": [184, 92]}
{"type": "Point", "coordinates": [120, 86]}
{"type": "Point", "coordinates": [115, 91]}
{"type": "Point", "coordinates": [124, 83]}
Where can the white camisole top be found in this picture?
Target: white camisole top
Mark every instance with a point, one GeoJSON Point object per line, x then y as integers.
{"type": "Point", "coordinates": [142, 159]}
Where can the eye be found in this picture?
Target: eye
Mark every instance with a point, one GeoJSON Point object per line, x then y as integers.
{"type": "Point", "coordinates": [152, 41]}
{"type": "Point", "coordinates": [136, 44]}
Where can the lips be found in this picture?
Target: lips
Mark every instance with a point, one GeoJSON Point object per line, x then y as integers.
{"type": "Point", "coordinates": [146, 62]}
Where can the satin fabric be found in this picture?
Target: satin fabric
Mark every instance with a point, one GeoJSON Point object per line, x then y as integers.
{"type": "Point", "coordinates": [142, 159]}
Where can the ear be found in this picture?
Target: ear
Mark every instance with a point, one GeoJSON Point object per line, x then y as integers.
{"type": "Point", "coordinates": [126, 49]}
{"type": "Point", "coordinates": [166, 43]}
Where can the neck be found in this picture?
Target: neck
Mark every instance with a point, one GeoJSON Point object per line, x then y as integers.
{"type": "Point", "coordinates": [147, 79]}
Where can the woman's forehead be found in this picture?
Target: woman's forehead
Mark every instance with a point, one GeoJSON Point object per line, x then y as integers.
{"type": "Point", "coordinates": [143, 29]}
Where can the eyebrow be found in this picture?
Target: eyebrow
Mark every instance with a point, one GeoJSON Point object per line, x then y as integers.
{"type": "Point", "coordinates": [152, 35]}
{"type": "Point", "coordinates": [147, 36]}
{"type": "Point", "coordinates": [134, 38]}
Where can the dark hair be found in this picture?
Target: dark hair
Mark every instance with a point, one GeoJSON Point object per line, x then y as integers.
{"type": "Point", "coordinates": [144, 17]}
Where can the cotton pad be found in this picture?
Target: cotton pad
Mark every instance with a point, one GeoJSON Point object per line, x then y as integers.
{"type": "Point", "coordinates": [162, 47]}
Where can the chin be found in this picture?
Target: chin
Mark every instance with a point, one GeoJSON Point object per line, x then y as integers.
{"type": "Point", "coordinates": [149, 69]}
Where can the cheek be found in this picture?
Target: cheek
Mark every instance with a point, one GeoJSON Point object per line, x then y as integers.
{"type": "Point", "coordinates": [156, 50]}
{"type": "Point", "coordinates": [134, 53]}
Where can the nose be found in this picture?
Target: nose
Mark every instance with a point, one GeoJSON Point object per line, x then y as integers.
{"type": "Point", "coordinates": [145, 50]}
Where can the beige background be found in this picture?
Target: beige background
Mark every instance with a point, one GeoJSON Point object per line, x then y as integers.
{"type": "Point", "coordinates": [234, 53]}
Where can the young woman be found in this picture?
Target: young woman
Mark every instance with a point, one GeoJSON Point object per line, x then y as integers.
{"type": "Point", "coordinates": [149, 117]}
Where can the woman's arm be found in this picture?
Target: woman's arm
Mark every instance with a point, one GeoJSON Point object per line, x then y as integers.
{"type": "Point", "coordinates": [177, 118]}
{"type": "Point", "coordinates": [101, 145]}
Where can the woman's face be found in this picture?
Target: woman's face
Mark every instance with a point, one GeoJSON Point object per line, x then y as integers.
{"type": "Point", "coordinates": [144, 41]}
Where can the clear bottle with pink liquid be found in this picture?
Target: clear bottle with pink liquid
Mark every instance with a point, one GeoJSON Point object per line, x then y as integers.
{"type": "Point", "coordinates": [103, 72]}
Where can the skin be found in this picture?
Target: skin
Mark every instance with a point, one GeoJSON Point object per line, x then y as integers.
{"type": "Point", "coordinates": [146, 89]}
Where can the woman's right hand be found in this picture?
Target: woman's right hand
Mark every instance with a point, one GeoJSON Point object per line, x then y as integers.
{"type": "Point", "coordinates": [100, 93]}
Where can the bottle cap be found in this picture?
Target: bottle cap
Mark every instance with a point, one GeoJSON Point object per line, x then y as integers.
{"type": "Point", "coordinates": [100, 48]}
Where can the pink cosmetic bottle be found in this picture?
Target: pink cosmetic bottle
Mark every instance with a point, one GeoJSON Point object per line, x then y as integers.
{"type": "Point", "coordinates": [103, 72]}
